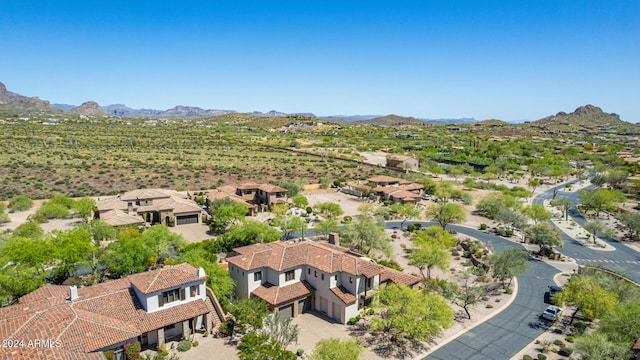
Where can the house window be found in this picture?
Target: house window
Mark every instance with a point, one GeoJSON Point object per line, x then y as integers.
{"type": "Point", "coordinates": [195, 290]}
{"type": "Point", "coordinates": [315, 273]}
{"type": "Point", "coordinates": [350, 280]}
{"type": "Point", "coordinates": [369, 283]}
{"type": "Point", "coordinates": [289, 275]}
{"type": "Point", "coordinates": [335, 277]}
{"type": "Point", "coordinates": [308, 271]}
{"type": "Point", "coordinates": [322, 276]}
{"type": "Point", "coordinates": [257, 276]}
{"type": "Point", "coordinates": [171, 296]}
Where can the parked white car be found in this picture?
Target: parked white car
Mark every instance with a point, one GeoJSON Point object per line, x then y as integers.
{"type": "Point", "coordinates": [551, 313]}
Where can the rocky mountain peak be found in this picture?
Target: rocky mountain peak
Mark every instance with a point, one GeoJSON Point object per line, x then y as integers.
{"type": "Point", "coordinates": [88, 108]}
{"type": "Point", "coordinates": [588, 110]}
{"type": "Point", "coordinates": [2, 88]}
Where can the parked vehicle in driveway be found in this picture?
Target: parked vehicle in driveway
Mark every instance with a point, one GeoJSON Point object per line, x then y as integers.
{"type": "Point", "coordinates": [553, 290]}
{"type": "Point", "coordinates": [551, 313]}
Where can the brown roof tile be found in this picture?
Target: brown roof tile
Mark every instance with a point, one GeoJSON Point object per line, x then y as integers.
{"type": "Point", "coordinates": [280, 295]}
{"type": "Point", "coordinates": [165, 278]}
{"type": "Point", "coordinates": [343, 294]}
{"type": "Point", "coordinates": [398, 277]}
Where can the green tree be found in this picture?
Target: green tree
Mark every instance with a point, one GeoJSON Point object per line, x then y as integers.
{"type": "Point", "coordinates": [84, 208]}
{"type": "Point", "coordinates": [431, 248]}
{"type": "Point", "coordinates": [4, 217]}
{"type": "Point", "coordinates": [544, 235]}
{"type": "Point", "coordinates": [280, 329]}
{"type": "Point", "coordinates": [329, 209]}
{"type": "Point", "coordinates": [335, 348]}
{"type": "Point", "coordinates": [445, 214]}
{"type": "Point", "coordinates": [163, 242]}
{"type": "Point", "coordinates": [512, 218]}
{"type": "Point", "coordinates": [290, 225]}
{"type": "Point", "coordinates": [20, 203]}
{"type": "Point", "coordinates": [280, 209]}
{"type": "Point", "coordinates": [587, 296]}
{"type": "Point", "coordinates": [621, 325]}
{"type": "Point", "coordinates": [218, 278]}
{"type": "Point", "coordinates": [292, 188]}
{"type": "Point", "coordinates": [537, 213]}
{"type": "Point", "coordinates": [601, 199]}
{"type": "Point", "coordinates": [30, 229]}
{"type": "Point", "coordinates": [125, 256]}
{"type": "Point", "coordinates": [254, 346]}
{"type": "Point", "coordinates": [404, 312]}
{"type": "Point", "coordinates": [300, 201]}
{"type": "Point", "coordinates": [404, 212]}
{"type": "Point", "coordinates": [597, 347]}
{"type": "Point", "coordinates": [508, 263]}
{"type": "Point", "coordinates": [225, 212]}
{"type": "Point", "coordinates": [467, 294]}
{"type": "Point", "coordinates": [17, 280]}
{"type": "Point", "coordinates": [51, 211]}
{"type": "Point", "coordinates": [598, 228]}
{"type": "Point", "coordinates": [71, 247]}
{"type": "Point", "coordinates": [324, 227]}
{"type": "Point", "coordinates": [562, 204]}
{"type": "Point", "coordinates": [632, 222]}
{"type": "Point", "coordinates": [249, 314]}
{"type": "Point", "coordinates": [365, 234]}
{"type": "Point", "coordinates": [33, 253]}
{"type": "Point", "coordinates": [429, 185]}
{"type": "Point", "coordinates": [99, 231]}
{"type": "Point", "coordinates": [534, 183]}
{"type": "Point", "coordinates": [248, 233]}
{"type": "Point", "coordinates": [490, 205]}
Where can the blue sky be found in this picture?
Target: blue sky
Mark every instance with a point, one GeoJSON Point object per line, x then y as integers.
{"type": "Point", "coordinates": [509, 60]}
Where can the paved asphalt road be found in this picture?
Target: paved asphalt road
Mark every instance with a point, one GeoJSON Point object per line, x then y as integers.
{"type": "Point", "coordinates": [623, 260]}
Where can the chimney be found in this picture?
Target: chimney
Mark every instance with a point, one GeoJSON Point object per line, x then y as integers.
{"type": "Point", "coordinates": [73, 290]}
{"type": "Point", "coordinates": [201, 272]}
{"type": "Point", "coordinates": [334, 239]}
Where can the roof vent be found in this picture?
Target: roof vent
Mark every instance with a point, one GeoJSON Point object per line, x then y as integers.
{"type": "Point", "coordinates": [73, 293]}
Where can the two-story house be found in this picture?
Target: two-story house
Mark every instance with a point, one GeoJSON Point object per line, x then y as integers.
{"type": "Point", "coordinates": [152, 206]}
{"type": "Point", "coordinates": [296, 276]}
{"type": "Point", "coordinates": [254, 196]}
{"type": "Point", "coordinates": [151, 307]}
{"type": "Point", "coordinates": [385, 187]}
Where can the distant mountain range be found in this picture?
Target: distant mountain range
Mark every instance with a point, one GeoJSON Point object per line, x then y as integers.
{"type": "Point", "coordinates": [583, 116]}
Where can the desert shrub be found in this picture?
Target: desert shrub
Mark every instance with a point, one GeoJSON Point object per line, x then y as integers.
{"type": "Point", "coordinates": [184, 345]}
{"type": "Point", "coordinates": [579, 327]}
{"type": "Point", "coordinates": [347, 219]}
{"type": "Point", "coordinates": [354, 320]}
{"type": "Point", "coordinates": [558, 342]}
{"type": "Point", "coordinates": [20, 203]}
{"type": "Point", "coordinates": [489, 306]}
{"type": "Point", "coordinates": [390, 264]}
{"type": "Point", "coordinates": [195, 343]}
{"type": "Point", "coordinates": [508, 291]}
{"type": "Point", "coordinates": [527, 357]}
{"type": "Point", "coordinates": [565, 352]}
{"type": "Point", "coordinates": [300, 352]}
{"type": "Point", "coordinates": [569, 339]}
{"type": "Point", "coordinates": [542, 357]}
{"type": "Point", "coordinates": [309, 210]}
{"type": "Point", "coordinates": [557, 331]}
{"type": "Point", "coordinates": [53, 211]}
{"type": "Point", "coordinates": [132, 350]}
{"type": "Point", "coordinates": [109, 355]}
{"type": "Point", "coordinates": [483, 226]}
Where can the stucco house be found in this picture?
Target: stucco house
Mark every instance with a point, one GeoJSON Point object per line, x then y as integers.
{"type": "Point", "coordinates": [297, 276]}
{"type": "Point", "coordinates": [151, 307]}
{"type": "Point", "coordinates": [385, 187]}
{"type": "Point", "coordinates": [403, 162]}
{"type": "Point", "coordinates": [255, 196]}
{"type": "Point", "coordinates": [149, 206]}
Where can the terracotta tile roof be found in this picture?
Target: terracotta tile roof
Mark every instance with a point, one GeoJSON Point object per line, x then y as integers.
{"type": "Point", "coordinates": [405, 195]}
{"type": "Point", "coordinates": [117, 217]}
{"type": "Point", "coordinates": [147, 194]}
{"type": "Point", "coordinates": [271, 188]}
{"type": "Point", "coordinates": [343, 294]}
{"type": "Point", "coordinates": [411, 186]}
{"type": "Point", "coordinates": [165, 278]}
{"type": "Point", "coordinates": [280, 295]}
{"type": "Point", "coordinates": [43, 353]}
{"type": "Point", "coordinates": [282, 256]}
{"type": "Point", "coordinates": [111, 203]}
{"type": "Point", "coordinates": [230, 189]}
{"type": "Point", "coordinates": [398, 277]}
{"type": "Point", "coordinates": [104, 314]}
{"type": "Point", "coordinates": [248, 185]}
{"type": "Point", "coordinates": [219, 195]}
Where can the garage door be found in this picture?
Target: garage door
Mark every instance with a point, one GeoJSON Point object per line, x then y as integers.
{"type": "Point", "coordinates": [335, 312]}
{"type": "Point", "coordinates": [324, 305]}
{"type": "Point", "coordinates": [304, 305]}
{"type": "Point", "coordinates": [187, 219]}
{"type": "Point", "coordinates": [286, 311]}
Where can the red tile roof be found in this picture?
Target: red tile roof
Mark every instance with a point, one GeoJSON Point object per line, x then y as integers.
{"type": "Point", "coordinates": [103, 315]}
{"type": "Point", "coordinates": [398, 277]}
{"type": "Point", "coordinates": [343, 294]}
{"type": "Point", "coordinates": [165, 278]}
{"type": "Point", "coordinates": [282, 256]}
{"type": "Point", "coordinates": [383, 179]}
{"type": "Point", "coordinates": [280, 295]}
